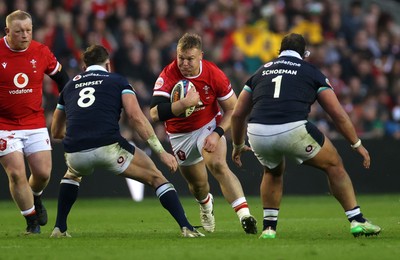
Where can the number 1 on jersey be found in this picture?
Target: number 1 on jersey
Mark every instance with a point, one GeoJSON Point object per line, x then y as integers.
{"type": "Point", "coordinates": [278, 81]}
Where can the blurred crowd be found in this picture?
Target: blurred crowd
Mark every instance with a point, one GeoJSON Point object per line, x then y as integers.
{"type": "Point", "coordinates": [355, 43]}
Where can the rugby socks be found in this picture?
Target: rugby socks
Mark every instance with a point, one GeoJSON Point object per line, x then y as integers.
{"type": "Point", "coordinates": [270, 218]}
{"type": "Point", "coordinates": [206, 203]}
{"type": "Point", "coordinates": [30, 216]}
{"type": "Point", "coordinates": [66, 198]}
{"type": "Point", "coordinates": [355, 214]}
{"type": "Point", "coordinates": [37, 198]}
{"type": "Point", "coordinates": [37, 194]}
{"type": "Point", "coordinates": [168, 197]}
{"type": "Point", "coordinates": [241, 208]}
{"type": "Point", "coordinates": [28, 212]}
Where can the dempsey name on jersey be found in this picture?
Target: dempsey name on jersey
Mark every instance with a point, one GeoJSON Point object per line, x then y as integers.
{"type": "Point", "coordinates": [88, 83]}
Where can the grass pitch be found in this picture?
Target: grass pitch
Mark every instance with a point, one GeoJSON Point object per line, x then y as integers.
{"type": "Point", "coordinates": [310, 227]}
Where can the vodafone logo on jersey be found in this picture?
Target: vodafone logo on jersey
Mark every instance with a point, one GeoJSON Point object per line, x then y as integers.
{"type": "Point", "coordinates": [21, 80]}
{"type": "Point", "coordinates": [77, 77]}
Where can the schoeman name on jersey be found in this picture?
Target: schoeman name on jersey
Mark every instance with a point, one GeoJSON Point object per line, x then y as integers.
{"type": "Point", "coordinates": [280, 71]}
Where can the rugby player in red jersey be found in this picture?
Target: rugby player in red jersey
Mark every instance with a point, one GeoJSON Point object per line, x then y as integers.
{"type": "Point", "coordinates": [198, 140]}
{"type": "Point", "coordinates": [23, 131]}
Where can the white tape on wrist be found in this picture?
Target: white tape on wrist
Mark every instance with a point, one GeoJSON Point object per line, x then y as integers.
{"type": "Point", "coordinates": [155, 144]}
{"type": "Point", "coordinates": [238, 147]}
{"type": "Point", "coordinates": [356, 145]}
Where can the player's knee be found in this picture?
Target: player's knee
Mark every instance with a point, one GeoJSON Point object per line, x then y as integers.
{"type": "Point", "coordinates": [155, 179]}
{"type": "Point", "coordinates": [41, 177]}
{"type": "Point", "coordinates": [218, 167]}
{"type": "Point", "coordinates": [17, 177]}
{"type": "Point", "coordinates": [199, 187]}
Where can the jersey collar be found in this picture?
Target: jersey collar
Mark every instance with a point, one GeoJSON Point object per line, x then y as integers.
{"type": "Point", "coordinates": [9, 47]}
{"type": "Point", "coordinates": [96, 67]}
{"type": "Point", "coordinates": [290, 53]}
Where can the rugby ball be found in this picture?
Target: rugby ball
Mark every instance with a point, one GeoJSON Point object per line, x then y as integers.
{"type": "Point", "coordinates": [179, 91]}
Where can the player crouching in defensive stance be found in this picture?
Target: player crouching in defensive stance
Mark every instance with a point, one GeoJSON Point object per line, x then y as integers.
{"type": "Point", "coordinates": [86, 118]}
{"type": "Point", "coordinates": [278, 98]}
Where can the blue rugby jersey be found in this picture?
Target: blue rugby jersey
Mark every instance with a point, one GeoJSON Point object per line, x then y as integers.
{"type": "Point", "coordinates": [283, 90]}
{"type": "Point", "coordinates": [92, 102]}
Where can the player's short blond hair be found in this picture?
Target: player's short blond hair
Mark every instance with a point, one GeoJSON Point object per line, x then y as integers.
{"type": "Point", "coordinates": [190, 41]}
{"type": "Point", "coordinates": [17, 15]}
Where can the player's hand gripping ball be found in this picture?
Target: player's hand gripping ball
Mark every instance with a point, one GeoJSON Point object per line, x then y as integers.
{"type": "Point", "coordinates": [179, 91]}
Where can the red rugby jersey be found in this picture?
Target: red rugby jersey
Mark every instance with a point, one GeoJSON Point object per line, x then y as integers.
{"type": "Point", "coordinates": [21, 85]}
{"type": "Point", "coordinates": [211, 83]}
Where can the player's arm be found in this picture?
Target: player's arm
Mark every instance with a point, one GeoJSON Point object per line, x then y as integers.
{"type": "Point", "coordinates": [238, 126]}
{"type": "Point", "coordinates": [227, 106]}
{"type": "Point", "coordinates": [241, 111]}
{"type": "Point", "coordinates": [212, 140]}
{"type": "Point", "coordinates": [162, 109]}
{"type": "Point", "coordinates": [137, 120]}
{"type": "Point", "coordinates": [141, 124]}
{"type": "Point", "coordinates": [61, 78]}
{"type": "Point", "coordinates": [329, 102]}
{"type": "Point", "coordinates": [58, 125]}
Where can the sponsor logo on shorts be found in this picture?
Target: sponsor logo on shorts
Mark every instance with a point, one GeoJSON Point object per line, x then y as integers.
{"type": "Point", "coordinates": [121, 160]}
{"type": "Point", "coordinates": [3, 144]}
{"type": "Point", "coordinates": [181, 155]}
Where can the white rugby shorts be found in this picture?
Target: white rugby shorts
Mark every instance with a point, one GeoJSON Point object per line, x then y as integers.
{"type": "Point", "coordinates": [26, 141]}
{"type": "Point", "coordinates": [297, 140]}
{"type": "Point", "coordinates": [111, 157]}
{"type": "Point", "coordinates": [187, 147]}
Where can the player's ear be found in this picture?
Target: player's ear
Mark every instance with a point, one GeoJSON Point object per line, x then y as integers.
{"type": "Point", "coordinates": [108, 66]}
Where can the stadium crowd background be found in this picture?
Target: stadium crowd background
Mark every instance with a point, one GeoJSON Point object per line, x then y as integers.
{"type": "Point", "coordinates": [355, 43]}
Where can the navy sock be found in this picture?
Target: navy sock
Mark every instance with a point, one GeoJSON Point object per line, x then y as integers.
{"type": "Point", "coordinates": [66, 198]}
{"type": "Point", "coordinates": [168, 197]}
{"type": "Point", "coordinates": [270, 218]}
{"type": "Point", "coordinates": [270, 223]}
{"type": "Point", "coordinates": [355, 214]}
{"type": "Point", "coordinates": [358, 218]}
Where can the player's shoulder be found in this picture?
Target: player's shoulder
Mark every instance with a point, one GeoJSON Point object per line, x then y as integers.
{"type": "Point", "coordinates": [212, 72]}
{"type": "Point", "coordinates": [210, 65]}
{"type": "Point", "coordinates": [114, 75]}
{"type": "Point", "coordinates": [169, 75]}
{"type": "Point", "coordinates": [309, 65]}
{"type": "Point", "coordinates": [3, 46]}
{"type": "Point", "coordinates": [119, 80]}
{"type": "Point", "coordinates": [40, 49]}
{"type": "Point", "coordinates": [170, 69]}
{"type": "Point", "coordinates": [37, 45]}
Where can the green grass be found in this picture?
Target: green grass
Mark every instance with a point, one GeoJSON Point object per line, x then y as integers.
{"type": "Point", "coordinates": [310, 227]}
